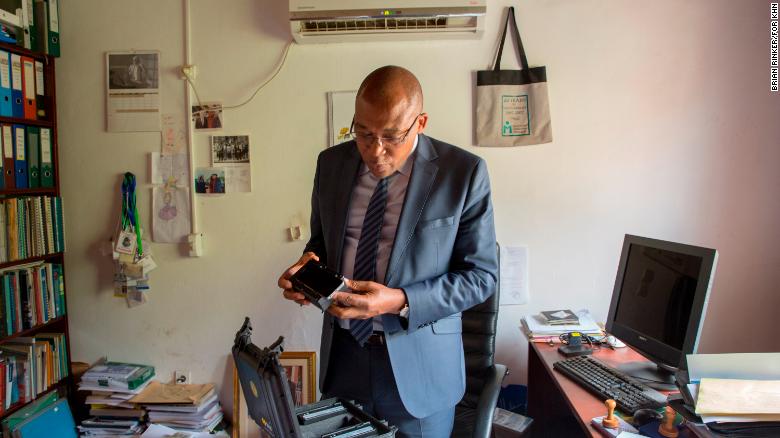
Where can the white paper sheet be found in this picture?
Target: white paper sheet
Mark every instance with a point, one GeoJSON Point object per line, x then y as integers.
{"type": "Point", "coordinates": [173, 136]}
{"type": "Point", "coordinates": [170, 214]}
{"type": "Point", "coordinates": [238, 179]}
{"type": "Point", "coordinates": [164, 167]}
{"type": "Point", "coordinates": [514, 275]}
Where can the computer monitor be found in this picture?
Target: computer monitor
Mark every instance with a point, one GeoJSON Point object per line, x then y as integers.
{"type": "Point", "coordinates": [659, 303]}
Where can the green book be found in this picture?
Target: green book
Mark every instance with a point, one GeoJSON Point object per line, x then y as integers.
{"type": "Point", "coordinates": [33, 157]}
{"type": "Point", "coordinates": [118, 375]}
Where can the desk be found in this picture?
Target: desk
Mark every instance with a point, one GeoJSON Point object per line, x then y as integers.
{"type": "Point", "coordinates": [558, 406]}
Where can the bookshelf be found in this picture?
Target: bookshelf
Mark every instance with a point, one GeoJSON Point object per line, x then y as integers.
{"type": "Point", "coordinates": [41, 322]}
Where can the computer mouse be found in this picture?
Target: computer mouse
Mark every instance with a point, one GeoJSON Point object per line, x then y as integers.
{"type": "Point", "coordinates": [644, 416]}
{"type": "Point", "coordinates": [614, 342]}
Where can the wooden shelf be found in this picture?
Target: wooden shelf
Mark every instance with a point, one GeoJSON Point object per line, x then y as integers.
{"type": "Point", "coordinates": [33, 330]}
{"type": "Point", "coordinates": [24, 52]}
{"type": "Point", "coordinates": [30, 260]}
{"type": "Point", "coordinates": [63, 383]}
{"type": "Point", "coordinates": [38, 191]}
{"type": "Point", "coordinates": [28, 122]}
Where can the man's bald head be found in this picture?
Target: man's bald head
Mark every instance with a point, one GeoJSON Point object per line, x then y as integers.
{"type": "Point", "coordinates": [388, 117]}
{"type": "Point", "coordinates": [391, 85]}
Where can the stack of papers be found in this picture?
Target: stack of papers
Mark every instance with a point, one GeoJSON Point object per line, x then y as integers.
{"type": "Point", "coordinates": [731, 392]}
{"type": "Point", "coordinates": [112, 385]}
{"type": "Point", "coordinates": [537, 329]}
{"type": "Point", "coordinates": [185, 408]}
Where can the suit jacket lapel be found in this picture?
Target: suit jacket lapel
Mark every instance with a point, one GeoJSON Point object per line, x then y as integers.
{"type": "Point", "coordinates": [423, 175]}
{"type": "Point", "coordinates": [344, 180]}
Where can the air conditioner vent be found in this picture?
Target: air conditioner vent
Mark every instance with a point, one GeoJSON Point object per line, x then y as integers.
{"type": "Point", "coordinates": [388, 24]}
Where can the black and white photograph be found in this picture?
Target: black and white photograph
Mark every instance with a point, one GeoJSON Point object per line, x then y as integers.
{"type": "Point", "coordinates": [229, 149]}
{"type": "Point", "coordinates": [207, 116]}
{"type": "Point", "coordinates": [133, 71]}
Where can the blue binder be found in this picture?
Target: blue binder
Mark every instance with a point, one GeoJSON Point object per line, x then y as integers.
{"type": "Point", "coordinates": [55, 421]}
{"type": "Point", "coordinates": [17, 96]}
{"type": "Point", "coordinates": [20, 157]}
{"type": "Point", "coordinates": [6, 109]}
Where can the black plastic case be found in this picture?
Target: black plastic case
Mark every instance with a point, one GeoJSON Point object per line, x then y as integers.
{"type": "Point", "coordinates": [270, 405]}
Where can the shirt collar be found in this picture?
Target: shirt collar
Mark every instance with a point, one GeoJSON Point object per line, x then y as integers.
{"type": "Point", "coordinates": [406, 168]}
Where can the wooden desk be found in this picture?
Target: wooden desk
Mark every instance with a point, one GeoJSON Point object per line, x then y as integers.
{"type": "Point", "coordinates": [559, 406]}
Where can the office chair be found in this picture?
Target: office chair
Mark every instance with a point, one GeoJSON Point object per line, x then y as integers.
{"type": "Point", "coordinates": [474, 413]}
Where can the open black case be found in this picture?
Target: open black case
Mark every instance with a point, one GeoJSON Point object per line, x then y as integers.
{"type": "Point", "coordinates": [269, 402]}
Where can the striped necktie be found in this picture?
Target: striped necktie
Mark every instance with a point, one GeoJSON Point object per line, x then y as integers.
{"type": "Point", "coordinates": [365, 257]}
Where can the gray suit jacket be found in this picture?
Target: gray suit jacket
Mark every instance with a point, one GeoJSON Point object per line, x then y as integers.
{"type": "Point", "coordinates": [443, 257]}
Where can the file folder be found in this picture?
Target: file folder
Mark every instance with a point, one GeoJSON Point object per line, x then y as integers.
{"type": "Point", "coordinates": [48, 25]}
{"type": "Point", "coordinates": [28, 87]}
{"type": "Point", "coordinates": [47, 165]}
{"type": "Point", "coordinates": [20, 157]}
{"type": "Point", "coordinates": [16, 86]}
{"type": "Point", "coordinates": [33, 157]}
{"type": "Point", "coordinates": [8, 156]}
{"type": "Point", "coordinates": [40, 91]}
{"type": "Point", "coordinates": [35, 43]}
{"type": "Point", "coordinates": [55, 421]}
{"type": "Point", "coordinates": [24, 38]}
{"type": "Point", "coordinates": [5, 84]}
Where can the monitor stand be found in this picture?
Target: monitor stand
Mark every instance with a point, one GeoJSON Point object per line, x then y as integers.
{"type": "Point", "coordinates": [650, 374]}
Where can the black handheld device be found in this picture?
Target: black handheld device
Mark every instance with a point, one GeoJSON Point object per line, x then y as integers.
{"type": "Point", "coordinates": [317, 282]}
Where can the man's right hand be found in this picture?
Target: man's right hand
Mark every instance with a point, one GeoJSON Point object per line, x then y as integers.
{"type": "Point", "coordinates": [285, 283]}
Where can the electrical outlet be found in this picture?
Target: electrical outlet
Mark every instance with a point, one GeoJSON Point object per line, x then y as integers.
{"type": "Point", "coordinates": [182, 377]}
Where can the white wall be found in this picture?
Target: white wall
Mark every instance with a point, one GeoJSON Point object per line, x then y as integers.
{"type": "Point", "coordinates": [663, 127]}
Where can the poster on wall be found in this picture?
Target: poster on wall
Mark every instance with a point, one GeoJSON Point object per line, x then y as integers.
{"type": "Point", "coordinates": [341, 109]}
{"type": "Point", "coordinates": [133, 91]}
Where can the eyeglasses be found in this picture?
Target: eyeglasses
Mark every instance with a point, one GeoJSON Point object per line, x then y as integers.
{"type": "Point", "coordinates": [369, 138]}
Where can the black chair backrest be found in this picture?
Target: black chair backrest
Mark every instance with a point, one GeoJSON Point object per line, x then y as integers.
{"type": "Point", "coordinates": [479, 344]}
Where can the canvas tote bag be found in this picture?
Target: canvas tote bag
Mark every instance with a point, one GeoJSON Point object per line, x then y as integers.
{"type": "Point", "coordinates": [512, 105]}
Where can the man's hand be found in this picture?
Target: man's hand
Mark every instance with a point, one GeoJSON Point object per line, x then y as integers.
{"type": "Point", "coordinates": [371, 299]}
{"type": "Point", "coordinates": [285, 283]}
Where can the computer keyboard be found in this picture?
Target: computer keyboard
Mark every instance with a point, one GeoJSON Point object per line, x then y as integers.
{"type": "Point", "coordinates": [607, 382]}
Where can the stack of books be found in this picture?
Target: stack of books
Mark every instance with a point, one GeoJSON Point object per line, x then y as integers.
{"type": "Point", "coordinates": [184, 408]}
{"type": "Point", "coordinates": [538, 329]}
{"type": "Point", "coordinates": [112, 385]}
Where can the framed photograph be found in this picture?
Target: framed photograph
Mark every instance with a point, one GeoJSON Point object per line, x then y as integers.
{"type": "Point", "coordinates": [300, 367]}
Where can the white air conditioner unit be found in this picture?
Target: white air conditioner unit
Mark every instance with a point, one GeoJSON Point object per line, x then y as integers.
{"type": "Point", "coordinates": [330, 21]}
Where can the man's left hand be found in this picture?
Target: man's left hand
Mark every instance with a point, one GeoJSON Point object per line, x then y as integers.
{"type": "Point", "coordinates": [371, 299]}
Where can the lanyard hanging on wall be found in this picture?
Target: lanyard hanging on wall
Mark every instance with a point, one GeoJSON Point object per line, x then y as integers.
{"type": "Point", "coordinates": [130, 219]}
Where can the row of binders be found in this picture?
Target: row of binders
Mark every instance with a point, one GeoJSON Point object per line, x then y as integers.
{"type": "Point", "coordinates": [22, 87]}
{"type": "Point", "coordinates": [34, 25]}
{"type": "Point", "coordinates": [27, 157]}
{"type": "Point", "coordinates": [30, 227]}
{"type": "Point", "coordinates": [30, 366]}
{"type": "Point", "coordinates": [31, 296]}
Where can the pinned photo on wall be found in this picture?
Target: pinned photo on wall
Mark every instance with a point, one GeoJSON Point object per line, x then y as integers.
{"type": "Point", "coordinates": [231, 153]}
{"type": "Point", "coordinates": [207, 116]}
{"type": "Point", "coordinates": [133, 91]}
{"type": "Point", "coordinates": [210, 180]}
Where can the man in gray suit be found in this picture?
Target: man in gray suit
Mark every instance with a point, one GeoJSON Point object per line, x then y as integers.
{"type": "Point", "coordinates": [409, 220]}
